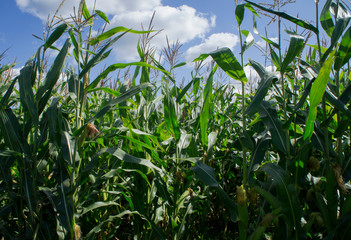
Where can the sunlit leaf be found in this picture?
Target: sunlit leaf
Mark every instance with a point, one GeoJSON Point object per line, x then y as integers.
{"type": "Point", "coordinates": [226, 60]}
{"type": "Point", "coordinates": [316, 95]}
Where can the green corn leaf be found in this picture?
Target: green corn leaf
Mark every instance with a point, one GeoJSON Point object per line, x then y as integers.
{"type": "Point", "coordinates": [316, 94]}
{"type": "Point", "coordinates": [257, 156]}
{"type": "Point", "coordinates": [332, 196]}
{"type": "Point", "coordinates": [205, 112]}
{"type": "Point", "coordinates": [323, 208]}
{"type": "Point", "coordinates": [295, 20]}
{"type": "Point", "coordinates": [64, 207]}
{"type": "Point", "coordinates": [184, 141]}
{"type": "Point", "coordinates": [54, 72]}
{"type": "Point", "coordinates": [286, 195]}
{"type": "Point", "coordinates": [179, 65]}
{"type": "Point", "coordinates": [239, 13]}
{"type": "Point", "coordinates": [226, 60]}
{"type": "Point", "coordinates": [340, 26]}
{"type": "Point", "coordinates": [274, 44]}
{"type": "Point", "coordinates": [185, 89]}
{"type": "Point", "coordinates": [112, 218]}
{"type": "Point", "coordinates": [344, 99]}
{"type": "Point", "coordinates": [67, 148]}
{"type": "Point", "coordinates": [249, 7]}
{"type": "Point", "coordinates": [248, 42]}
{"type": "Point", "coordinates": [113, 67]}
{"type": "Point", "coordinates": [102, 15]}
{"type": "Point", "coordinates": [326, 19]}
{"type": "Point", "coordinates": [266, 81]}
{"type": "Point", "coordinates": [85, 11]}
{"type": "Point", "coordinates": [6, 67]}
{"type": "Point", "coordinates": [96, 205]}
{"type": "Point", "coordinates": [243, 217]}
{"type": "Point", "coordinates": [275, 58]}
{"type": "Point", "coordinates": [182, 226]}
{"type": "Point", "coordinates": [344, 52]}
{"type": "Point", "coordinates": [139, 143]}
{"type": "Point", "coordinates": [295, 47]}
{"type": "Point", "coordinates": [26, 91]}
{"type": "Point", "coordinates": [270, 119]}
{"type": "Point", "coordinates": [55, 35]}
{"type": "Point", "coordinates": [269, 197]}
{"type": "Point", "coordinates": [11, 131]}
{"type": "Point", "coordinates": [170, 114]}
{"type": "Point", "coordinates": [337, 103]}
{"type": "Point", "coordinates": [123, 156]}
{"type": "Point", "coordinates": [73, 89]}
{"type": "Point", "coordinates": [304, 96]}
{"type": "Point", "coordinates": [205, 173]}
{"type": "Point", "coordinates": [98, 57]}
{"type": "Point", "coordinates": [123, 97]}
{"type": "Point", "coordinates": [212, 139]}
{"type": "Point", "coordinates": [246, 141]}
{"type": "Point", "coordinates": [112, 32]}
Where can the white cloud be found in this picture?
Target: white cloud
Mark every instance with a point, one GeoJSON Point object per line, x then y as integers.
{"type": "Point", "coordinates": [214, 41]}
{"type": "Point", "coordinates": [121, 6]}
{"type": "Point", "coordinates": [41, 8]}
{"type": "Point", "coordinates": [182, 23]}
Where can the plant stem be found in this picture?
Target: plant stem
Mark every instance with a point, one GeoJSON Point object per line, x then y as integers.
{"type": "Point", "coordinates": [243, 111]}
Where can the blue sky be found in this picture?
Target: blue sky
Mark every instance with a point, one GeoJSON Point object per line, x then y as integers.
{"type": "Point", "coordinates": [200, 25]}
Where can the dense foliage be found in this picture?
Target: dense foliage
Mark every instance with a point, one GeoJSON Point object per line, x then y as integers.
{"type": "Point", "coordinates": [148, 159]}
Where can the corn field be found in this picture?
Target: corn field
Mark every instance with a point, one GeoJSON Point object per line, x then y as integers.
{"type": "Point", "coordinates": [146, 157]}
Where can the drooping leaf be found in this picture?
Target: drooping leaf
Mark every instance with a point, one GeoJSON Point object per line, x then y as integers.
{"type": "Point", "coordinates": [266, 81]}
{"type": "Point", "coordinates": [295, 47]}
{"type": "Point", "coordinates": [295, 20]}
{"type": "Point", "coordinates": [205, 173]}
{"type": "Point", "coordinates": [257, 157]}
{"type": "Point", "coordinates": [270, 119]}
{"type": "Point", "coordinates": [226, 60]}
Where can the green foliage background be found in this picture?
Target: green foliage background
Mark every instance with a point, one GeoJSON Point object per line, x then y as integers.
{"type": "Point", "coordinates": [149, 159]}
